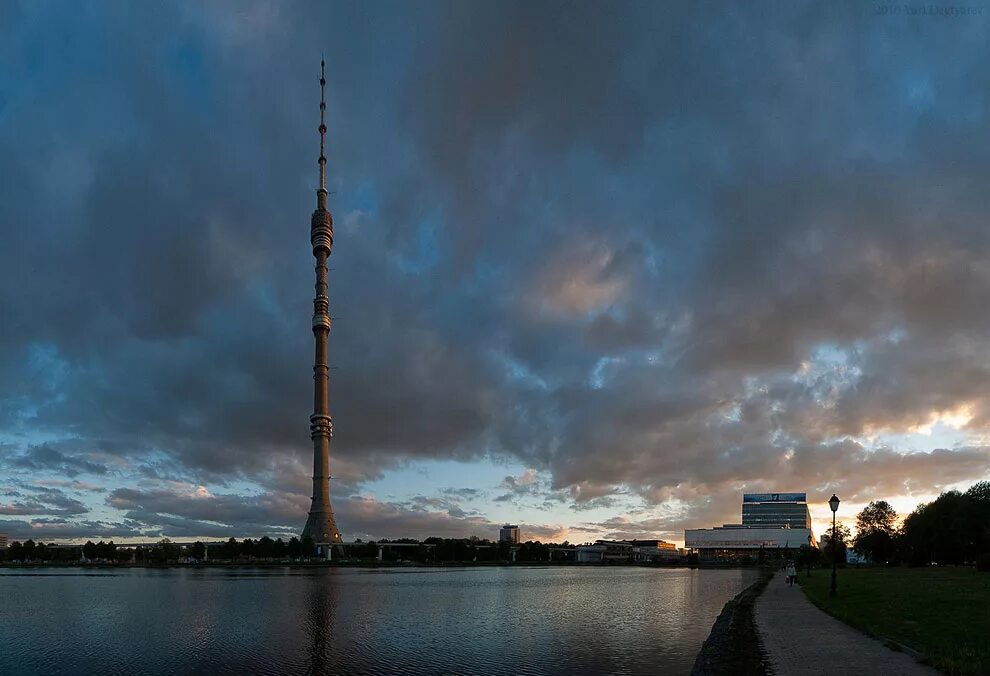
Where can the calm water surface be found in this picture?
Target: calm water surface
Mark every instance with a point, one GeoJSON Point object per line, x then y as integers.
{"type": "Point", "coordinates": [337, 621]}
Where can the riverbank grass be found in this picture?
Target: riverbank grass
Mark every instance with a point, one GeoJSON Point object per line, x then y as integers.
{"type": "Point", "coordinates": [943, 613]}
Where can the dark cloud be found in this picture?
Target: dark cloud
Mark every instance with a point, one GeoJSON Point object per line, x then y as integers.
{"type": "Point", "coordinates": [42, 500]}
{"type": "Point", "coordinates": [461, 492]}
{"type": "Point", "coordinates": [604, 501]}
{"type": "Point", "coordinates": [370, 518]}
{"type": "Point", "coordinates": [59, 505]}
{"type": "Point", "coordinates": [528, 488]}
{"type": "Point", "coordinates": [44, 530]}
{"type": "Point", "coordinates": [451, 506]}
{"type": "Point", "coordinates": [74, 485]}
{"type": "Point", "coordinates": [187, 510]}
{"type": "Point", "coordinates": [182, 510]}
{"type": "Point", "coordinates": [621, 528]}
{"type": "Point", "coordinates": [647, 251]}
{"type": "Point", "coordinates": [48, 458]}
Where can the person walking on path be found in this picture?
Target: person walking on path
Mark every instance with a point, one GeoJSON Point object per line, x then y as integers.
{"type": "Point", "coordinates": [801, 640]}
{"type": "Point", "coordinates": [791, 573]}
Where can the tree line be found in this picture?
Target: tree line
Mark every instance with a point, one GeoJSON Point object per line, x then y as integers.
{"type": "Point", "coordinates": [430, 550]}
{"type": "Point", "coordinates": [953, 529]}
{"type": "Point", "coordinates": [458, 550]}
{"type": "Point", "coordinates": [163, 551]}
{"type": "Point", "coordinates": [29, 550]}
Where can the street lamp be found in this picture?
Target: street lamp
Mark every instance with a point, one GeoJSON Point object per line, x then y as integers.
{"type": "Point", "coordinates": [833, 503]}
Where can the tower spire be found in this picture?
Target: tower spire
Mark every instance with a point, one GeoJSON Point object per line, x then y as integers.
{"type": "Point", "coordinates": [321, 192]}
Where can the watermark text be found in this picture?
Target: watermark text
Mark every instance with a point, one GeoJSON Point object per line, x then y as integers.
{"type": "Point", "coordinates": [947, 11]}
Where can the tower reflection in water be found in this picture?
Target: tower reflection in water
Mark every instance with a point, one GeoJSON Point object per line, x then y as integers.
{"type": "Point", "coordinates": [322, 599]}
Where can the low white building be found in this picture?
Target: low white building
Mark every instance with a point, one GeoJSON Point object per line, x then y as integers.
{"type": "Point", "coordinates": [772, 524]}
{"type": "Point", "coordinates": [604, 550]}
{"type": "Point", "coordinates": [736, 541]}
{"type": "Point", "coordinates": [628, 551]}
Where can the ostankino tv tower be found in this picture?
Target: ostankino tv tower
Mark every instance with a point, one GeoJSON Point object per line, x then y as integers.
{"type": "Point", "coordinates": [321, 525]}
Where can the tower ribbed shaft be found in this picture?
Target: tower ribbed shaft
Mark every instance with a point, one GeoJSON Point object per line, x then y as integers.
{"type": "Point", "coordinates": [320, 525]}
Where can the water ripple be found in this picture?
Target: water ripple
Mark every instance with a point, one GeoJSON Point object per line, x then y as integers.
{"type": "Point", "coordinates": [530, 621]}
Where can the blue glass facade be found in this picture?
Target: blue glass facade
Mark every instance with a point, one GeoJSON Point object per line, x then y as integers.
{"type": "Point", "coordinates": [776, 510]}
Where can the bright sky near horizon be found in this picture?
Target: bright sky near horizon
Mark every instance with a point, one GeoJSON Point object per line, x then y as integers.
{"type": "Point", "coordinates": [599, 268]}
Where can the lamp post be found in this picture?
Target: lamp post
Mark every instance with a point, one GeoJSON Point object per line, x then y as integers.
{"type": "Point", "coordinates": [833, 503]}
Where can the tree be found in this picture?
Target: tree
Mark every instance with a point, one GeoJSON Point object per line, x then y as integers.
{"type": "Point", "coordinates": [876, 531]}
{"type": "Point", "coordinates": [504, 551]}
{"type": "Point", "coordinates": [952, 529]}
{"type": "Point", "coordinates": [15, 552]}
{"type": "Point", "coordinates": [165, 551]}
{"type": "Point", "coordinates": [231, 549]}
{"type": "Point", "coordinates": [533, 551]}
{"type": "Point", "coordinates": [365, 550]}
{"type": "Point", "coordinates": [877, 516]}
{"type": "Point", "coordinates": [924, 538]}
{"type": "Point", "coordinates": [89, 550]}
{"type": "Point", "coordinates": [105, 550]}
{"type": "Point", "coordinates": [980, 491]}
{"type": "Point", "coordinates": [978, 519]}
{"type": "Point", "coordinates": [842, 537]}
{"type": "Point", "coordinates": [265, 548]}
{"type": "Point", "coordinates": [42, 552]}
{"type": "Point", "coordinates": [807, 557]}
{"type": "Point", "coordinates": [198, 551]}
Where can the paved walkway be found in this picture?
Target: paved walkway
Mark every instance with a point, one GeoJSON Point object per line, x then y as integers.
{"type": "Point", "coordinates": [802, 640]}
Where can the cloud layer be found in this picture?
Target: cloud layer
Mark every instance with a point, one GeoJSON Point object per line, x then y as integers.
{"type": "Point", "coordinates": [654, 255]}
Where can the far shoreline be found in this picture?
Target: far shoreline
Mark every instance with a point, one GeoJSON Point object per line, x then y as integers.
{"type": "Point", "coordinates": [373, 565]}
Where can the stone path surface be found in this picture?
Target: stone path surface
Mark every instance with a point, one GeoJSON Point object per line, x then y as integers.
{"type": "Point", "coordinates": [801, 640]}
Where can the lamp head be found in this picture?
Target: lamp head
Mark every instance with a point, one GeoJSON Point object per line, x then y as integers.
{"type": "Point", "coordinates": [833, 502]}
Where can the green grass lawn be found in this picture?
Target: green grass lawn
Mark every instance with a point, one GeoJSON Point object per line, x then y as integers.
{"type": "Point", "coordinates": [943, 613]}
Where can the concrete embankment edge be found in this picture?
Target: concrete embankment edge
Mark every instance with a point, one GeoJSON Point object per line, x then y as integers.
{"type": "Point", "coordinates": [733, 645]}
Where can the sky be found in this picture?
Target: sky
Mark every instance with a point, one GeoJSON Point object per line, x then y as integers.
{"type": "Point", "coordinates": [599, 268]}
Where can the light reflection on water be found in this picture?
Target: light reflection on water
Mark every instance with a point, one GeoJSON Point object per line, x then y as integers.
{"type": "Point", "coordinates": [336, 621]}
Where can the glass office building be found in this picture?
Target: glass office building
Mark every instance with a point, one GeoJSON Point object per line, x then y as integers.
{"type": "Point", "coordinates": [776, 510]}
{"type": "Point", "coordinates": [773, 525]}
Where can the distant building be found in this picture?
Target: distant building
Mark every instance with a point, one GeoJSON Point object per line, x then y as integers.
{"type": "Point", "coordinates": [509, 533]}
{"type": "Point", "coordinates": [738, 542]}
{"type": "Point", "coordinates": [772, 524]}
{"type": "Point", "coordinates": [560, 554]}
{"type": "Point", "coordinates": [627, 551]}
{"type": "Point", "coordinates": [646, 551]}
{"type": "Point", "coordinates": [3, 540]}
{"type": "Point", "coordinates": [604, 550]}
{"type": "Point", "coordinates": [854, 557]}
